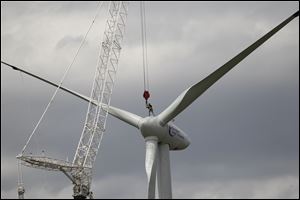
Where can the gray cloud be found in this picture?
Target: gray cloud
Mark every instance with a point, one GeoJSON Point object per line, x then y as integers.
{"type": "Point", "coordinates": [244, 130]}
{"type": "Point", "coordinates": [67, 40]}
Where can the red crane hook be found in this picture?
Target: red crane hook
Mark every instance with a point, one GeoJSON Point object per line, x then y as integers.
{"type": "Point", "coordinates": [146, 95]}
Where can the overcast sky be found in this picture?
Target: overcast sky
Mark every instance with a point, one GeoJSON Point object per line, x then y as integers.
{"type": "Point", "coordinates": [244, 129]}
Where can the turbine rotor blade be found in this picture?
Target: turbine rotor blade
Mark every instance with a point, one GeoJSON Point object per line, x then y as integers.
{"type": "Point", "coordinates": [123, 115]}
{"type": "Point", "coordinates": [192, 93]}
{"type": "Point", "coordinates": [85, 98]}
{"type": "Point", "coordinates": [150, 164]}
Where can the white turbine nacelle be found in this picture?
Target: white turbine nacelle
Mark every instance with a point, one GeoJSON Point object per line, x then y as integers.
{"type": "Point", "coordinates": [168, 134]}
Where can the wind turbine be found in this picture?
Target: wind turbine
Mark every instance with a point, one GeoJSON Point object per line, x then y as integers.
{"type": "Point", "coordinates": [160, 133]}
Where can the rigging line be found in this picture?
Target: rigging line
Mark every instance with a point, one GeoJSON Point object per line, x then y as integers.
{"type": "Point", "coordinates": [28, 109]}
{"type": "Point", "coordinates": [146, 49]}
{"type": "Point", "coordinates": [64, 76]}
{"type": "Point", "coordinates": [143, 43]}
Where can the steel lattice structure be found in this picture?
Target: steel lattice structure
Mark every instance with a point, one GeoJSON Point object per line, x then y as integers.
{"type": "Point", "coordinates": [105, 74]}
{"type": "Point", "coordinates": [80, 170]}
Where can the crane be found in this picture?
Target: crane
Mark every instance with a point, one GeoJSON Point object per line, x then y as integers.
{"type": "Point", "coordinates": [80, 170]}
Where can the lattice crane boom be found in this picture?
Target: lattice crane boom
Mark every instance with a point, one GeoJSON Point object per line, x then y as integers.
{"type": "Point", "coordinates": [103, 84]}
{"type": "Point", "coordinates": [80, 170]}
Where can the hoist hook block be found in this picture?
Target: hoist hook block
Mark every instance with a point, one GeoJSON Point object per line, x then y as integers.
{"type": "Point", "coordinates": [146, 95]}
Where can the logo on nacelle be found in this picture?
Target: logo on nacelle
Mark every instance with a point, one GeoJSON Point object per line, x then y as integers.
{"type": "Point", "coordinates": [172, 131]}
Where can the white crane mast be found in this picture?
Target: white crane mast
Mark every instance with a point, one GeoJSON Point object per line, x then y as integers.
{"type": "Point", "coordinates": [96, 116]}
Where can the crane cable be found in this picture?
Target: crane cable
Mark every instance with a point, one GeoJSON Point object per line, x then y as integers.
{"type": "Point", "coordinates": [146, 93]}
{"type": "Point", "coordinates": [144, 45]}
{"type": "Point", "coordinates": [64, 76]}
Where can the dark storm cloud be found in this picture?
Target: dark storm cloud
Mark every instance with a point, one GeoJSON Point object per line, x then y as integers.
{"type": "Point", "coordinates": [244, 130]}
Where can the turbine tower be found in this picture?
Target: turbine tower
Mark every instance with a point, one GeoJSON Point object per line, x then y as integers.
{"type": "Point", "coordinates": [160, 133]}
